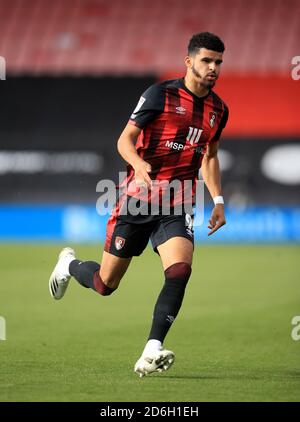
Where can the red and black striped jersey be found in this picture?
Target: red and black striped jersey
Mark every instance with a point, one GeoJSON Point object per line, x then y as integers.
{"type": "Point", "coordinates": [176, 128]}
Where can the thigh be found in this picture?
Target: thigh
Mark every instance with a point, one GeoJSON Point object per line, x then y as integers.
{"type": "Point", "coordinates": [173, 239]}
{"type": "Point", "coordinates": [172, 226]}
{"type": "Point", "coordinates": [176, 249]}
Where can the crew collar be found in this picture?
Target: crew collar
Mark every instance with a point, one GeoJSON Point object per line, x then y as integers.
{"type": "Point", "coordinates": [183, 86]}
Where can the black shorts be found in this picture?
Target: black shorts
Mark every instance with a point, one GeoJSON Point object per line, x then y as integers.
{"type": "Point", "coordinates": [128, 236]}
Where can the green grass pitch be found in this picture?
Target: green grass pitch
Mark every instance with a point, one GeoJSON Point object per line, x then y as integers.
{"type": "Point", "coordinates": [232, 339]}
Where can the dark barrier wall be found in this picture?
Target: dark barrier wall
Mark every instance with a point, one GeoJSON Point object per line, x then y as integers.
{"type": "Point", "coordinates": [56, 115]}
{"type": "Point", "coordinates": [58, 139]}
{"type": "Point", "coordinates": [260, 171]}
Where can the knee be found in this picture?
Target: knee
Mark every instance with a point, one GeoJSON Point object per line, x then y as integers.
{"type": "Point", "coordinates": [110, 277]}
{"type": "Point", "coordinates": [179, 271]}
{"type": "Point", "coordinates": [111, 283]}
{"type": "Point", "coordinates": [108, 290]}
{"type": "Point", "coordinates": [104, 287]}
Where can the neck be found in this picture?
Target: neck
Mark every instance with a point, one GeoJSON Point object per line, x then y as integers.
{"type": "Point", "coordinates": [195, 86]}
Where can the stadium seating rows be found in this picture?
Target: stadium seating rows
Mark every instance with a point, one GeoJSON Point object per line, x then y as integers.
{"type": "Point", "coordinates": [140, 36]}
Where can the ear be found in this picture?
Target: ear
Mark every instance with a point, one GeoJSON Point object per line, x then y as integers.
{"type": "Point", "coordinates": [188, 61]}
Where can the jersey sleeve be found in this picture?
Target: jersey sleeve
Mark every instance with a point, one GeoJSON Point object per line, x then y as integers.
{"type": "Point", "coordinates": [222, 125]}
{"type": "Point", "coordinates": [150, 105]}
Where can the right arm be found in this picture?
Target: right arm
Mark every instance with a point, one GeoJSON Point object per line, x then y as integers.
{"type": "Point", "coordinates": [150, 105]}
{"type": "Point", "coordinates": [127, 150]}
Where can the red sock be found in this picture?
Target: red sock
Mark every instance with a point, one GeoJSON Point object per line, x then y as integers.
{"type": "Point", "coordinates": [100, 287]}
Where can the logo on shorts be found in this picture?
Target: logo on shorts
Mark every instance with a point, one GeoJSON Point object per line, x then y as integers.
{"type": "Point", "coordinates": [189, 224]}
{"type": "Point", "coordinates": [119, 242]}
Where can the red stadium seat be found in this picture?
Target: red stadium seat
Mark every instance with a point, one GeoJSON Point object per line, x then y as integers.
{"type": "Point", "coordinates": [138, 36]}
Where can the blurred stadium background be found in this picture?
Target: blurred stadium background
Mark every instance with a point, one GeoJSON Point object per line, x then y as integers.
{"type": "Point", "coordinates": [74, 72]}
{"type": "Point", "coordinates": [75, 69]}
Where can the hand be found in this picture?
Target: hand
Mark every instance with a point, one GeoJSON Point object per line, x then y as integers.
{"type": "Point", "coordinates": [217, 218]}
{"type": "Point", "coordinates": [142, 178]}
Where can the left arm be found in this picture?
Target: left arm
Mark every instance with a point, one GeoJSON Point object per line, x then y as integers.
{"type": "Point", "coordinates": [211, 175]}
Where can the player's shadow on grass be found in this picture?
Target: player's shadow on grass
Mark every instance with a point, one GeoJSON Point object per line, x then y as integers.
{"type": "Point", "coordinates": [210, 377]}
{"type": "Point", "coordinates": [267, 376]}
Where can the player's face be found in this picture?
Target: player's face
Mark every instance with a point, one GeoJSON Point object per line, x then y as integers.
{"type": "Point", "coordinates": [205, 66]}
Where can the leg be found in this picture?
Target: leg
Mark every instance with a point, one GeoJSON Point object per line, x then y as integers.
{"type": "Point", "coordinates": [176, 255]}
{"type": "Point", "coordinates": [113, 269]}
{"type": "Point", "coordinates": [118, 252]}
{"type": "Point", "coordinates": [104, 278]}
{"type": "Point", "coordinates": [123, 240]}
{"type": "Point", "coordinates": [176, 249]}
{"type": "Point", "coordinates": [173, 240]}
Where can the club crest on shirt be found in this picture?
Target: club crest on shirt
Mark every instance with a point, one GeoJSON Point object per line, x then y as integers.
{"type": "Point", "coordinates": [119, 242]}
{"type": "Point", "coordinates": [212, 118]}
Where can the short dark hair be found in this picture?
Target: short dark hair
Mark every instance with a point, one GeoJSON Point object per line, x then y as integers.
{"type": "Point", "coordinates": [205, 40]}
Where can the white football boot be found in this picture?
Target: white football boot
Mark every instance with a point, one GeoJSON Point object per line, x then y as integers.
{"type": "Point", "coordinates": [156, 361]}
{"type": "Point", "coordinates": [60, 277]}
